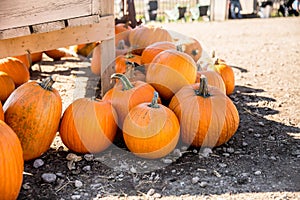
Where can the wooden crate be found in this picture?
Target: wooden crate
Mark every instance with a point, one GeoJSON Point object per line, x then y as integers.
{"type": "Point", "coordinates": [39, 25]}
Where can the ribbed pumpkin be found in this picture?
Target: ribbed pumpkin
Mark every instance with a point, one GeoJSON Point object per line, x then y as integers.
{"type": "Point", "coordinates": [227, 75]}
{"type": "Point", "coordinates": [88, 126]}
{"type": "Point", "coordinates": [142, 36]}
{"type": "Point", "coordinates": [191, 47]}
{"type": "Point", "coordinates": [7, 86]}
{"type": "Point", "coordinates": [57, 54]}
{"type": "Point", "coordinates": [151, 130]}
{"type": "Point", "coordinates": [121, 62]}
{"type": "Point", "coordinates": [30, 58]}
{"type": "Point", "coordinates": [1, 112]}
{"type": "Point", "coordinates": [153, 49]}
{"type": "Point", "coordinates": [33, 111]}
{"type": "Point", "coordinates": [15, 69]}
{"type": "Point", "coordinates": [125, 95]}
{"type": "Point", "coordinates": [169, 71]}
{"type": "Point", "coordinates": [96, 60]}
{"type": "Point", "coordinates": [11, 163]}
{"type": "Point", "coordinates": [213, 79]}
{"type": "Point", "coordinates": [122, 27]}
{"type": "Point", "coordinates": [207, 116]}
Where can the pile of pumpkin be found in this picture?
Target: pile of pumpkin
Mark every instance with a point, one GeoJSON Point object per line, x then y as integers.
{"type": "Point", "coordinates": [160, 95]}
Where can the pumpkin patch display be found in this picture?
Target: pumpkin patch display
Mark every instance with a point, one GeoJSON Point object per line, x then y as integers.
{"type": "Point", "coordinates": [207, 116]}
{"type": "Point", "coordinates": [169, 71]}
{"type": "Point", "coordinates": [88, 126]}
{"type": "Point", "coordinates": [7, 86]}
{"type": "Point", "coordinates": [125, 95]}
{"type": "Point", "coordinates": [15, 69]}
{"type": "Point", "coordinates": [11, 163]}
{"type": "Point", "coordinates": [151, 130]}
{"type": "Point", "coordinates": [1, 112]}
{"type": "Point", "coordinates": [33, 111]}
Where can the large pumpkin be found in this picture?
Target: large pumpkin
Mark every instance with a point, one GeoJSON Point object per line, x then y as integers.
{"type": "Point", "coordinates": [88, 126]}
{"type": "Point", "coordinates": [227, 75]}
{"type": "Point", "coordinates": [207, 116]}
{"type": "Point", "coordinates": [142, 36]}
{"type": "Point", "coordinates": [11, 163]}
{"type": "Point", "coordinates": [125, 95]}
{"type": "Point", "coordinates": [121, 62]}
{"type": "Point", "coordinates": [15, 69]}
{"type": "Point", "coordinates": [151, 130]}
{"type": "Point", "coordinates": [1, 112]}
{"type": "Point", "coordinates": [213, 79]}
{"type": "Point", "coordinates": [153, 49]}
{"type": "Point", "coordinates": [169, 71]}
{"type": "Point", "coordinates": [7, 86]}
{"type": "Point", "coordinates": [33, 111]}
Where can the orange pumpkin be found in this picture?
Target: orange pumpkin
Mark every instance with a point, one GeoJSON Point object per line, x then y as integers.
{"type": "Point", "coordinates": [153, 49]}
{"type": "Point", "coordinates": [121, 62]}
{"type": "Point", "coordinates": [30, 58]}
{"type": "Point", "coordinates": [213, 79]}
{"type": "Point", "coordinates": [15, 69]}
{"type": "Point", "coordinates": [122, 27]}
{"type": "Point", "coordinates": [11, 163]}
{"type": "Point", "coordinates": [96, 61]}
{"type": "Point", "coordinates": [57, 54]}
{"type": "Point", "coordinates": [227, 75]}
{"type": "Point", "coordinates": [191, 47]}
{"type": "Point", "coordinates": [142, 36]}
{"type": "Point", "coordinates": [215, 118]}
{"type": "Point", "coordinates": [169, 71]}
{"type": "Point", "coordinates": [88, 126]}
{"type": "Point", "coordinates": [33, 111]}
{"type": "Point", "coordinates": [84, 49]}
{"type": "Point", "coordinates": [151, 130]}
{"type": "Point", "coordinates": [7, 86]}
{"type": "Point", "coordinates": [125, 95]}
{"type": "Point", "coordinates": [1, 112]}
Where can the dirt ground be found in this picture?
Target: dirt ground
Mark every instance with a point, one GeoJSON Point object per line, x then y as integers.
{"type": "Point", "coordinates": [261, 161]}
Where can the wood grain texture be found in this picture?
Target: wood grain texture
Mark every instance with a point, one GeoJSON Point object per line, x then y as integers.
{"type": "Point", "coordinates": [14, 32]}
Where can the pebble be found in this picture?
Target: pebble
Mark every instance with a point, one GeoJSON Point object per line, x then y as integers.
{"type": "Point", "coordinates": [76, 196]}
{"type": "Point", "coordinates": [222, 165]}
{"type": "Point", "coordinates": [184, 148]}
{"type": "Point", "coordinates": [226, 154]}
{"type": "Point", "coordinates": [271, 138]}
{"type": "Point", "coordinates": [261, 123]}
{"type": "Point", "coordinates": [133, 170]}
{"type": "Point", "coordinates": [49, 177]}
{"type": "Point", "coordinates": [250, 129]}
{"type": "Point", "coordinates": [26, 186]}
{"type": "Point", "coordinates": [78, 184]}
{"type": "Point", "coordinates": [273, 158]}
{"type": "Point", "coordinates": [157, 195]}
{"type": "Point", "coordinates": [203, 184]}
{"type": "Point", "coordinates": [86, 168]}
{"type": "Point", "coordinates": [150, 192]}
{"type": "Point", "coordinates": [73, 157]}
{"type": "Point", "coordinates": [195, 151]}
{"type": "Point", "coordinates": [230, 150]}
{"type": "Point", "coordinates": [244, 144]}
{"type": "Point", "coordinates": [38, 163]}
{"type": "Point", "coordinates": [296, 152]}
{"type": "Point", "coordinates": [257, 135]}
{"type": "Point", "coordinates": [167, 161]}
{"type": "Point", "coordinates": [257, 172]}
{"type": "Point", "coordinates": [177, 153]}
{"type": "Point", "coordinates": [88, 157]}
{"type": "Point", "coordinates": [195, 179]}
{"type": "Point", "coordinates": [206, 151]}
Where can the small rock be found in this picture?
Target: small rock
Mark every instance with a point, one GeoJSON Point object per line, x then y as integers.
{"type": "Point", "coordinates": [244, 144]}
{"type": "Point", "coordinates": [100, 159]}
{"type": "Point", "coordinates": [38, 163]}
{"type": "Point", "coordinates": [230, 150]}
{"type": "Point", "coordinates": [296, 152]}
{"type": "Point", "coordinates": [250, 129]}
{"type": "Point", "coordinates": [195, 179]}
{"type": "Point", "coordinates": [195, 151]}
{"type": "Point", "coordinates": [78, 184]}
{"type": "Point", "coordinates": [273, 158]}
{"type": "Point", "coordinates": [26, 186]}
{"type": "Point", "coordinates": [203, 184]}
{"type": "Point", "coordinates": [157, 195]}
{"type": "Point", "coordinates": [88, 157]}
{"type": "Point", "coordinates": [177, 153]}
{"type": "Point", "coordinates": [76, 196]}
{"type": "Point", "coordinates": [48, 177]}
{"type": "Point", "coordinates": [150, 192]}
{"type": "Point", "coordinates": [257, 135]}
{"type": "Point", "coordinates": [73, 157]}
{"type": "Point", "coordinates": [222, 165]}
{"type": "Point", "coordinates": [86, 168]}
{"type": "Point", "coordinates": [226, 154]}
{"type": "Point", "coordinates": [133, 170]}
{"type": "Point", "coordinates": [206, 151]}
{"type": "Point", "coordinates": [60, 175]}
{"type": "Point", "coordinates": [257, 173]}
{"type": "Point", "coordinates": [261, 123]}
{"type": "Point", "coordinates": [184, 148]}
{"type": "Point", "coordinates": [167, 161]}
{"type": "Point", "coordinates": [271, 138]}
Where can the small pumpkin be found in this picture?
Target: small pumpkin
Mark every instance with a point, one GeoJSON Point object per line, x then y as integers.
{"type": "Point", "coordinates": [213, 79]}
{"type": "Point", "coordinates": [84, 49]}
{"type": "Point", "coordinates": [88, 126]}
{"type": "Point", "coordinates": [191, 47]}
{"type": "Point", "coordinates": [226, 73]}
{"type": "Point", "coordinates": [96, 61]}
{"type": "Point", "coordinates": [33, 111]}
{"type": "Point", "coordinates": [142, 36]}
{"type": "Point", "coordinates": [7, 86]}
{"type": "Point", "coordinates": [30, 58]}
{"type": "Point", "coordinates": [153, 49]}
{"type": "Point", "coordinates": [169, 71]}
{"type": "Point", "coordinates": [57, 54]}
{"type": "Point", "coordinates": [1, 112]}
{"type": "Point", "coordinates": [151, 130]}
{"type": "Point", "coordinates": [11, 163]}
{"type": "Point", "coordinates": [15, 69]}
{"type": "Point", "coordinates": [125, 95]}
{"type": "Point", "coordinates": [207, 116]}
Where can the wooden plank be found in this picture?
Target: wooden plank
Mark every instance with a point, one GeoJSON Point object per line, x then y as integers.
{"type": "Point", "coordinates": [47, 27]}
{"type": "Point", "coordinates": [18, 13]}
{"type": "Point", "coordinates": [84, 20]}
{"type": "Point", "coordinates": [106, 7]}
{"type": "Point", "coordinates": [103, 30]}
{"type": "Point", "coordinates": [14, 32]}
{"type": "Point", "coordinates": [107, 64]}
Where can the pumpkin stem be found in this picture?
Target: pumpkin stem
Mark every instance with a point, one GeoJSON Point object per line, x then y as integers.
{"type": "Point", "coordinates": [154, 103]}
{"type": "Point", "coordinates": [203, 87]}
{"type": "Point", "coordinates": [127, 85]}
{"type": "Point", "coordinates": [47, 83]}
